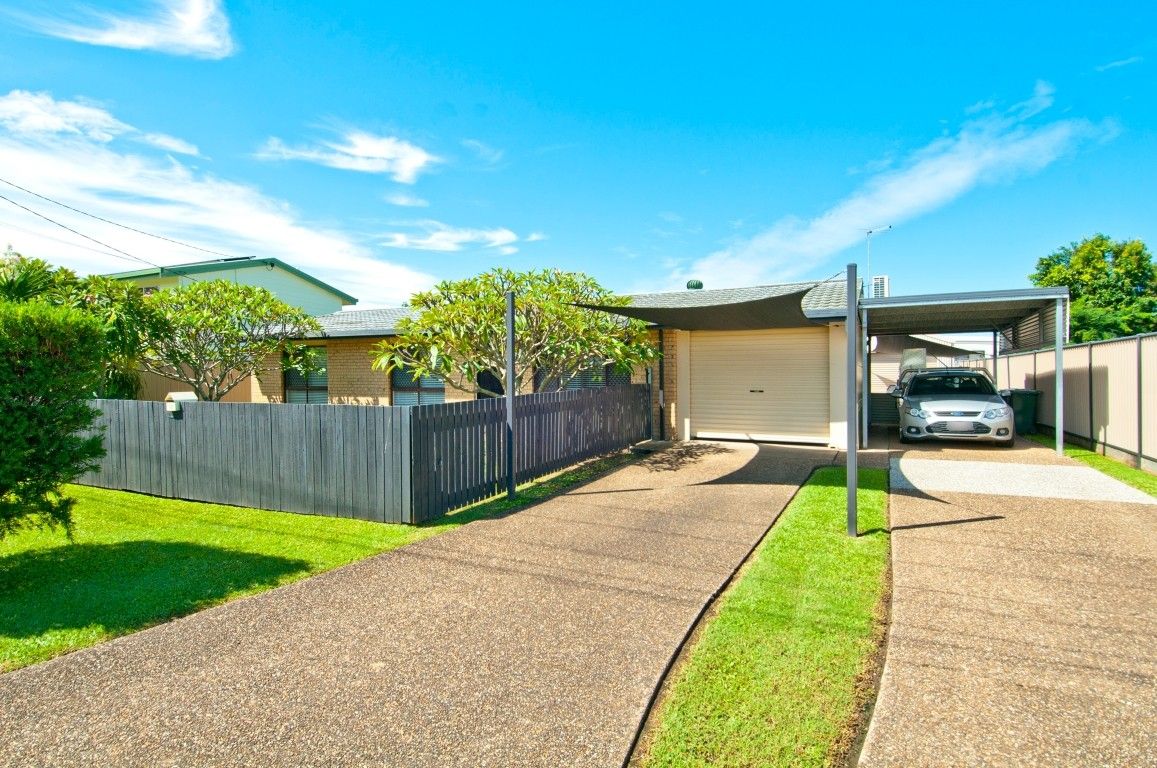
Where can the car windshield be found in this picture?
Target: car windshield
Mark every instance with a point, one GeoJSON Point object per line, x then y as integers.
{"type": "Point", "coordinates": [954, 384]}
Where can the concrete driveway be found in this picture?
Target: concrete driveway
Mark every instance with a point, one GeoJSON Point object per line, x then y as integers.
{"type": "Point", "coordinates": [1023, 613]}
{"type": "Point", "coordinates": [533, 640]}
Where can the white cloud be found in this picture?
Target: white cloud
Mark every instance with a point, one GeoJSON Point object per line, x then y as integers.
{"type": "Point", "coordinates": [79, 166]}
{"type": "Point", "coordinates": [359, 151]}
{"type": "Point", "coordinates": [38, 115]}
{"type": "Point", "coordinates": [170, 144]}
{"type": "Point", "coordinates": [34, 114]}
{"type": "Point", "coordinates": [988, 149]}
{"type": "Point", "coordinates": [181, 27]}
{"type": "Point", "coordinates": [406, 201]}
{"type": "Point", "coordinates": [436, 236]}
{"type": "Point", "coordinates": [535, 237]}
{"type": "Point", "coordinates": [1119, 63]}
{"type": "Point", "coordinates": [485, 152]}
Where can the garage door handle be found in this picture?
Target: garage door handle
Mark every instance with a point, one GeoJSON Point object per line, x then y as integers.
{"type": "Point", "coordinates": [755, 390]}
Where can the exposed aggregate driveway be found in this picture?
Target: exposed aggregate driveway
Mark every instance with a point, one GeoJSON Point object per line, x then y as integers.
{"type": "Point", "coordinates": [532, 640]}
{"type": "Point", "coordinates": [1023, 617]}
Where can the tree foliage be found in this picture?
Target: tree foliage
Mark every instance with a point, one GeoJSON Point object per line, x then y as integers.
{"type": "Point", "coordinates": [118, 306]}
{"type": "Point", "coordinates": [459, 331]}
{"type": "Point", "coordinates": [50, 362]}
{"type": "Point", "coordinates": [212, 335]}
{"type": "Point", "coordinates": [1112, 286]}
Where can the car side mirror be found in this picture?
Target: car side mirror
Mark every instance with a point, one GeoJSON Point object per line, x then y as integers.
{"type": "Point", "coordinates": [896, 393]}
{"type": "Point", "coordinates": [1006, 393]}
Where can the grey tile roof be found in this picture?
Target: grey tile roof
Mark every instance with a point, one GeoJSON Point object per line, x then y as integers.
{"type": "Point", "coordinates": [362, 322]}
{"type": "Point", "coordinates": [824, 299]}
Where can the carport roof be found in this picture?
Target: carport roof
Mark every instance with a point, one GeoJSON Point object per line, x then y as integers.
{"type": "Point", "coordinates": [958, 312]}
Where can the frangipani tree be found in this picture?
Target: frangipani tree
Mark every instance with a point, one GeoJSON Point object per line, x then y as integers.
{"type": "Point", "coordinates": [212, 335]}
{"type": "Point", "coordinates": [458, 331]}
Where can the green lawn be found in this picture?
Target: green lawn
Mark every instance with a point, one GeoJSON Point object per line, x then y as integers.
{"type": "Point", "coordinates": [1138, 478]}
{"type": "Point", "coordinates": [780, 674]}
{"type": "Point", "coordinates": [139, 560]}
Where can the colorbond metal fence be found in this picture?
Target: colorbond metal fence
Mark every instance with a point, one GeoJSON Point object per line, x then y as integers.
{"type": "Point", "coordinates": [1110, 393]}
{"type": "Point", "coordinates": [398, 465]}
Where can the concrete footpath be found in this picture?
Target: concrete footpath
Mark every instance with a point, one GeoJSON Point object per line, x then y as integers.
{"type": "Point", "coordinates": [1023, 617]}
{"type": "Point", "coordinates": [533, 640]}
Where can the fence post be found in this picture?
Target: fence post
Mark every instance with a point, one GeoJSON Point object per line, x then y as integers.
{"type": "Point", "coordinates": [1140, 405]}
{"type": "Point", "coordinates": [1092, 431]}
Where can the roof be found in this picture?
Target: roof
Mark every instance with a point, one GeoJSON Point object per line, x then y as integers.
{"type": "Point", "coordinates": [240, 262]}
{"type": "Point", "coordinates": [958, 312]}
{"type": "Point", "coordinates": [362, 322]}
{"type": "Point", "coordinates": [787, 305]}
{"type": "Point", "coordinates": [827, 298]}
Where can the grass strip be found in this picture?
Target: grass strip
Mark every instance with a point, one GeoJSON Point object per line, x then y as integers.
{"type": "Point", "coordinates": [778, 674]}
{"type": "Point", "coordinates": [1138, 478]}
{"type": "Point", "coordinates": [138, 560]}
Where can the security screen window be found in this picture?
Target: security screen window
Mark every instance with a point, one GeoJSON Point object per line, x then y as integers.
{"type": "Point", "coordinates": [597, 376]}
{"type": "Point", "coordinates": [311, 388]}
{"type": "Point", "coordinates": [408, 389]}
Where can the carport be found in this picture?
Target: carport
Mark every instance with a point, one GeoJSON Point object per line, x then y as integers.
{"type": "Point", "coordinates": [1030, 318]}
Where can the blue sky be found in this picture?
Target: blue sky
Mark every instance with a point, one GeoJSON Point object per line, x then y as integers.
{"type": "Point", "coordinates": [385, 146]}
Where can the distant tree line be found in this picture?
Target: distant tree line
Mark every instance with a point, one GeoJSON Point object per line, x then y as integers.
{"type": "Point", "coordinates": [1112, 286]}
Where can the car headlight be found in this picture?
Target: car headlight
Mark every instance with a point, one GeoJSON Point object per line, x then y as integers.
{"type": "Point", "coordinates": [918, 412]}
{"type": "Point", "coordinates": [998, 412]}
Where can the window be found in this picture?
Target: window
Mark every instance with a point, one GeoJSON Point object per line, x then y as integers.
{"type": "Point", "coordinates": [599, 376]}
{"type": "Point", "coordinates": [407, 389]}
{"type": "Point", "coordinates": [313, 388]}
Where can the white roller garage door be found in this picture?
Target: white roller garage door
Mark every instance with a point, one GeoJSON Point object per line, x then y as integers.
{"type": "Point", "coordinates": [760, 385]}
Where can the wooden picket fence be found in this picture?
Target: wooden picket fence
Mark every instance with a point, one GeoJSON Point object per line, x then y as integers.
{"type": "Point", "coordinates": [398, 465]}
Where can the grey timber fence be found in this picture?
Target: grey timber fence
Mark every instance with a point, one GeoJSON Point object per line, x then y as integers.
{"type": "Point", "coordinates": [388, 464]}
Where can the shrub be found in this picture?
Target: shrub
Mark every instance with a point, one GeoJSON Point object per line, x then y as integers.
{"type": "Point", "coordinates": [50, 364]}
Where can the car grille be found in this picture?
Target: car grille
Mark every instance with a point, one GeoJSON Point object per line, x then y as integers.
{"type": "Point", "coordinates": [941, 428]}
{"type": "Point", "coordinates": [957, 414]}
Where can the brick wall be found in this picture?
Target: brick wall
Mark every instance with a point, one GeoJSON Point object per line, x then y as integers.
{"type": "Point", "coordinates": [352, 379]}
{"type": "Point", "coordinates": [670, 366]}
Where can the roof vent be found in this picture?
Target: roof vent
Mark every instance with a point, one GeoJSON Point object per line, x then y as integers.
{"type": "Point", "coordinates": [694, 285]}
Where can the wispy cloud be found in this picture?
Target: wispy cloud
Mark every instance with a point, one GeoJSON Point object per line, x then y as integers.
{"type": "Point", "coordinates": [485, 152]}
{"type": "Point", "coordinates": [997, 147]}
{"type": "Point", "coordinates": [406, 201]}
{"type": "Point", "coordinates": [24, 113]}
{"type": "Point", "coordinates": [1119, 63]}
{"type": "Point", "coordinates": [535, 237]}
{"type": "Point", "coordinates": [432, 235]}
{"type": "Point", "coordinates": [34, 114]}
{"type": "Point", "coordinates": [359, 151]}
{"type": "Point", "coordinates": [181, 27]}
{"type": "Point", "coordinates": [170, 144]}
{"type": "Point", "coordinates": [85, 162]}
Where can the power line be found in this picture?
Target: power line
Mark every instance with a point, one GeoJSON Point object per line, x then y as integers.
{"type": "Point", "coordinates": [114, 223]}
{"type": "Point", "coordinates": [62, 241]}
{"type": "Point", "coordinates": [118, 252]}
{"type": "Point", "coordinates": [124, 254]}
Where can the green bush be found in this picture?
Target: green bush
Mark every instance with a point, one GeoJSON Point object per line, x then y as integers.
{"type": "Point", "coordinates": [50, 364]}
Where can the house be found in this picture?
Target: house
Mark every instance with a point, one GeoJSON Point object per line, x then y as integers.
{"type": "Point", "coordinates": [766, 363]}
{"type": "Point", "coordinates": [286, 282]}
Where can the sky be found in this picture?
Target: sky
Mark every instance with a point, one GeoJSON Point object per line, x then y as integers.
{"type": "Point", "coordinates": [383, 147]}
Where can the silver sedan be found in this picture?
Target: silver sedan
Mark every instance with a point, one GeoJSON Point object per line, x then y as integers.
{"type": "Point", "coordinates": [953, 405]}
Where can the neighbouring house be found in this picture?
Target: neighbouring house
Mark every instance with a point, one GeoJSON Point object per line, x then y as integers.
{"type": "Point", "coordinates": [284, 281]}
